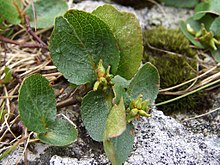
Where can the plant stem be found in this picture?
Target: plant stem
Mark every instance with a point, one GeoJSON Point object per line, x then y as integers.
{"type": "Point", "coordinates": [189, 93]}
{"type": "Point", "coordinates": [29, 30]}
{"type": "Point", "coordinates": [73, 99]}
{"type": "Point", "coordinates": [22, 45]}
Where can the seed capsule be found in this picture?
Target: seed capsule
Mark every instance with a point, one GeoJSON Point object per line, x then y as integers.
{"type": "Point", "coordinates": [132, 104]}
{"type": "Point", "coordinates": [143, 113]}
{"type": "Point", "coordinates": [144, 105]}
{"type": "Point", "coordinates": [96, 85]}
{"type": "Point", "coordinates": [100, 69]}
{"type": "Point", "coordinates": [138, 102]}
{"type": "Point", "coordinates": [134, 112]}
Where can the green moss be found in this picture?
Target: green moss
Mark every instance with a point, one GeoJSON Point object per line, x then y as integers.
{"type": "Point", "coordinates": [169, 40]}
{"type": "Point", "coordinates": [174, 68]}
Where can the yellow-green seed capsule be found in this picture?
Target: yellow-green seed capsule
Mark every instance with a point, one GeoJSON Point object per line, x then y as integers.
{"type": "Point", "coordinates": [96, 85]}
{"type": "Point", "coordinates": [143, 113]}
{"type": "Point", "coordinates": [134, 112]}
{"type": "Point", "coordinates": [190, 29]}
{"type": "Point", "coordinates": [144, 105]}
{"type": "Point", "coordinates": [100, 69]}
{"type": "Point", "coordinates": [139, 102]}
{"type": "Point", "coordinates": [103, 81]}
{"type": "Point", "coordinates": [132, 104]}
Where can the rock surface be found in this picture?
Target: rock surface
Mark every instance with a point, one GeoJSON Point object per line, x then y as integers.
{"type": "Point", "coordinates": [162, 140]}
{"type": "Point", "coordinates": [158, 15]}
{"type": "Point", "coordinates": [158, 140]}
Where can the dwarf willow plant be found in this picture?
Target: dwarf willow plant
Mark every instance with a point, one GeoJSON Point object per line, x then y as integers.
{"type": "Point", "coordinates": [103, 48]}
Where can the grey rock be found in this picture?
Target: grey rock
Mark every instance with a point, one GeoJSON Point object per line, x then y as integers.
{"type": "Point", "coordinates": [158, 140]}
{"type": "Point", "coordinates": [158, 15]}
{"type": "Point", "coordinates": [162, 140]}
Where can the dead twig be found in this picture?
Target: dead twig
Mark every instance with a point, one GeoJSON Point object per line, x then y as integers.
{"type": "Point", "coordinates": [29, 30]}
{"type": "Point", "coordinates": [20, 44]}
{"type": "Point", "coordinates": [74, 97]}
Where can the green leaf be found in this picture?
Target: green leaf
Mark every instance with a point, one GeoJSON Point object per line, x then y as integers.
{"type": "Point", "coordinates": [118, 149]}
{"type": "Point", "coordinates": [212, 7]}
{"type": "Point", "coordinates": [46, 11]}
{"type": "Point", "coordinates": [79, 40]}
{"type": "Point", "coordinates": [61, 133]}
{"type": "Point", "coordinates": [215, 27]}
{"type": "Point", "coordinates": [200, 10]}
{"type": "Point", "coordinates": [120, 80]}
{"type": "Point", "coordinates": [207, 20]}
{"type": "Point", "coordinates": [216, 54]}
{"type": "Point", "coordinates": [118, 91]}
{"type": "Point", "coordinates": [116, 122]}
{"type": "Point", "coordinates": [9, 11]}
{"type": "Point", "coordinates": [8, 75]}
{"type": "Point", "coordinates": [128, 33]}
{"type": "Point", "coordinates": [94, 111]}
{"type": "Point", "coordinates": [145, 82]}
{"type": "Point", "coordinates": [180, 3]}
{"type": "Point", "coordinates": [189, 36]}
{"type": "Point", "coordinates": [37, 104]}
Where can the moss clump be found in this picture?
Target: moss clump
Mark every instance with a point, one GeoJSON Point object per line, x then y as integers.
{"type": "Point", "coordinates": [169, 40]}
{"type": "Point", "coordinates": [174, 68]}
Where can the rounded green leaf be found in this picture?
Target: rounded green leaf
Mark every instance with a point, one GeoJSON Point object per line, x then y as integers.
{"type": "Point", "coordinates": [94, 111]}
{"type": "Point", "coordinates": [118, 149]}
{"type": "Point", "coordinates": [78, 42]}
{"type": "Point", "coordinates": [60, 133]}
{"type": "Point", "coordinates": [120, 81]}
{"type": "Point", "coordinates": [46, 11]}
{"type": "Point", "coordinates": [214, 6]}
{"type": "Point", "coordinates": [215, 27]}
{"type": "Point", "coordinates": [203, 8]}
{"type": "Point", "coordinates": [145, 82]}
{"type": "Point", "coordinates": [9, 11]}
{"type": "Point", "coordinates": [37, 104]}
{"type": "Point", "coordinates": [116, 121]}
{"type": "Point", "coordinates": [200, 10]}
{"type": "Point", "coordinates": [128, 34]}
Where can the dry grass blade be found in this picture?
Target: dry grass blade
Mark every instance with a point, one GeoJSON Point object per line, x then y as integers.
{"type": "Point", "coordinates": [22, 62]}
{"type": "Point", "coordinates": [191, 80]}
{"type": "Point", "coordinates": [202, 115]}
